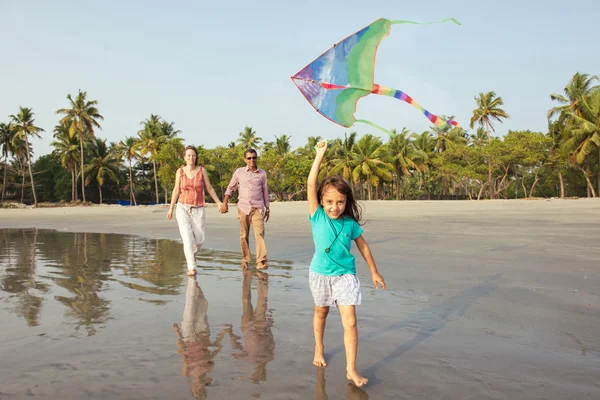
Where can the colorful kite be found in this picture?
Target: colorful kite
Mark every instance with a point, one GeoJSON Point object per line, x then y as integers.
{"type": "Point", "coordinates": [338, 78]}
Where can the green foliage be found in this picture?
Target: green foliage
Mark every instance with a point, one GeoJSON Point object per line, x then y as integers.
{"type": "Point", "coordinates": [170, 158]}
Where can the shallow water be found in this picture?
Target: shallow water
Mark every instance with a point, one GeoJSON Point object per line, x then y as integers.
{"type": "Point", "coordinates": [100, 316]}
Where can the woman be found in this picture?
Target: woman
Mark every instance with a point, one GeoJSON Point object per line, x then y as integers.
{"type": "Point", "coordinates": [188, 193]}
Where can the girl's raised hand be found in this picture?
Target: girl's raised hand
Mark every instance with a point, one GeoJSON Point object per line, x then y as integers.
{"type": "Point", "coordinates": [321, 147]}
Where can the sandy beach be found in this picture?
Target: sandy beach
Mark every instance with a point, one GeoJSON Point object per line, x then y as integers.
{"type": "Point", "coordinates": [485, 300]}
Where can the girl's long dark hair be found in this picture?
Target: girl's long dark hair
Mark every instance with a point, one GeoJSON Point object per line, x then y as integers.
{"type": "Point", "coordinates": [352, 210]}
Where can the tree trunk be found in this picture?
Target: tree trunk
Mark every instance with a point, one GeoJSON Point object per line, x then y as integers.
{"type": "Point", "coordinates": [31, 174]}
{"type": "Point", "coordinates": [5, 168]}
{"type": "Point", "coordinates": [480, 191]}
{"type": "Point", "coordinates": [490, 183]}
{"type": "Point", "coordinates": [100, 192]}
{"type": "Point", "coordinates": [491, 188]}
{"type": "Point", "coordinates": [75, 180]}
{"type": "Point", "coordinates": [73, 183]}
{"type": "Point", "coordinates": [524, 188]}
{"type": "Point", "coordinates": [81, 158]}
{"type": "Point", "coordinates": [131, 194]}
{"type": "Point", "coordinates": [535, 182]}
{"type": "Point", "coordinates": [155, 180]}
{"type": "Point", "coordinates": [397, 183]}
{"type": "Point", "coordinates": [22, 185]}
{"type": "Point", "coordinates": [589, 186]}
{"type": "Point", "coordinates": [562, 184]}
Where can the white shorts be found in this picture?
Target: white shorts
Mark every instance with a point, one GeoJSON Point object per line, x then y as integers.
{"type": "Point", "coordinates": [341, 290]}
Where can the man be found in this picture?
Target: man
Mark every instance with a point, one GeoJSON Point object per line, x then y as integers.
{"type": "Point", "coordinates": [253, 207]}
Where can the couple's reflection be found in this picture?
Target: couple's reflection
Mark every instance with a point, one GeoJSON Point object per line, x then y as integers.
{"type": "Point", "coordinates": [256, 345]}
{"type": "Point", "coordinates": [354, 392]}
{"type": "Point", "coordinates": [259, 345]}
{"type": "Point", "coordinates": [193, 340]}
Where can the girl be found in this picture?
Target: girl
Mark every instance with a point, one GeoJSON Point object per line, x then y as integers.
{"type": "Point", "coordinates": [335, 216]}
{"type": "Point", "coordinates": [189, 190]}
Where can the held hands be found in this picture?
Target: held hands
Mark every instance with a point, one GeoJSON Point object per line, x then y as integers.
{"type": "Point", "coordinates": [378, 280]}
{"type": "Point", "coordinates": [223, 208]}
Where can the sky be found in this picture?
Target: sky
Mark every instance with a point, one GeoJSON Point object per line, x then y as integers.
{"type": "Point", "coordinates": [213, 68]}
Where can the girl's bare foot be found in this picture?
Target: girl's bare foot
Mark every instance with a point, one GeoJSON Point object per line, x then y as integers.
{"type": "Point", "coordinates": [319, 360]}
{"type": "Point", "coordinates": [356, 378]}
{"type": "Point", "coordinates": [191, 272]}
{"type": "Point", "coordinates": [355, 393]}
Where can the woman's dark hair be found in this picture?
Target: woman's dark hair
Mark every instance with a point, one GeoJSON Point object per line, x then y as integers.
{"type": "Point", "coordinates": [195, 151]}
{"type": "Point", "coordinates": [338, 182]}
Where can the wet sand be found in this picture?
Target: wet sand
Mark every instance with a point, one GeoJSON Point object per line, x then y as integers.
{"type": "Point", "coordinates": [485, 300]}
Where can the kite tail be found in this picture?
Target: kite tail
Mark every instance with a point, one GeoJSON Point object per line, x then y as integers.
{"type": "Point", "coordinates": [374, 125]}
{"type": "Point", "coordinates": [398, 94]}
{"type": "Point", "coordinates": [402, 21]}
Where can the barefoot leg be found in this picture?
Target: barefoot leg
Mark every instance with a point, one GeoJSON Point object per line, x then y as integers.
{"type": "Point", "coordinates": [319, 328]}
{"type": "Point", "coordinates": [348, 314]}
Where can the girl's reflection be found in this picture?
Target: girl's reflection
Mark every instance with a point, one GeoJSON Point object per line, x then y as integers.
{"type": "Point", "coordinates": [193, 340]}
{"type": "Point", "coordinates": [354, 392]}
{"type": "Point", "coordinates": [259, 344]}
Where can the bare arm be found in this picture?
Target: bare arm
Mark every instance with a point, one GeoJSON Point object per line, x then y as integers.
{"type": "Point", "coordinates": [174, 196]}
{"type": "Point", "coordinates": [364, 249]}
{"type": "Point", "coordinates": [311, 182]}
{"type": "Point", "coordinates": [209, 188]}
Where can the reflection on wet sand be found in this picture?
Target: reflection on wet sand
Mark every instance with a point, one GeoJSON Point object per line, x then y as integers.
{"type": "Point", "coordinates": [193, 340]}
{"type": "Point", "coordinates": [259, 344]}
{"type": "Point", "coordinates": [354, 392]}
{"type": "Point", "coordinates": [75, 269]}
{"type": "Point", "coordinates": [19, 280]}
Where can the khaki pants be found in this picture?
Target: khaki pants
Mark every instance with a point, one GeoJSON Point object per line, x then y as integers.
{"type": "Point", "coordinates": [256, 219]}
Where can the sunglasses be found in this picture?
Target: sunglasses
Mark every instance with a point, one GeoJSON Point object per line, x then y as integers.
{"type": "Point", "coordinates": [250, 158]}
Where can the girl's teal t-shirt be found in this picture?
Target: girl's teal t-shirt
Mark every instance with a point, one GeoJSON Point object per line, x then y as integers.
{"type": "Point", "coordinates": [339, 260]}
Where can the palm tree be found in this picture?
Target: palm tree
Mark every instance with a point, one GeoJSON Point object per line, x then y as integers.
{"type": "Point", "coordinates": [129, 149]}
{"type": "Point", "coordinates": [19, 162]}
{"type": "Point", "coordinates": [7, 134]}
{"type": "Point", "coordinates": [24, 125]}
{"type": "Point", "coordinates": [488, 109]}
{"type": "Point", "coordinates": [66, 149]}
{"type": "Point", "coordinates": [282, 145]}
{"type": "Point", "coordinates": [151, 138]}
{"type": "Point", "coordinates": [369, 166]}
{"type": "Point", "coordinates": [480, 137]}
{"type": "Point", "coordinates": [342, 160]}
{"type": "Point", "coordinates": [248, 138]}
{"type": "Point", "coordinates": [404, 156]}
{"type": "Point", "coordinates": [556, 132]}
{"type": "Point", "coordinates": [103, 165]}
{"type": "Point", "coordinates": [585, 133]}
{"type": "Point", "coordinates": [81, 118]}
{"type": "Point", "coordinates": [579, 87]}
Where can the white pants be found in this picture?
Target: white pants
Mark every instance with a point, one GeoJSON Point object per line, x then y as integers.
{"type": "Point", "coordinates": [191, 228]}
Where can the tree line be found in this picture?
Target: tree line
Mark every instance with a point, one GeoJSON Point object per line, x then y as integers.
{"type": "Point", "coordinates": [439, 163]}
